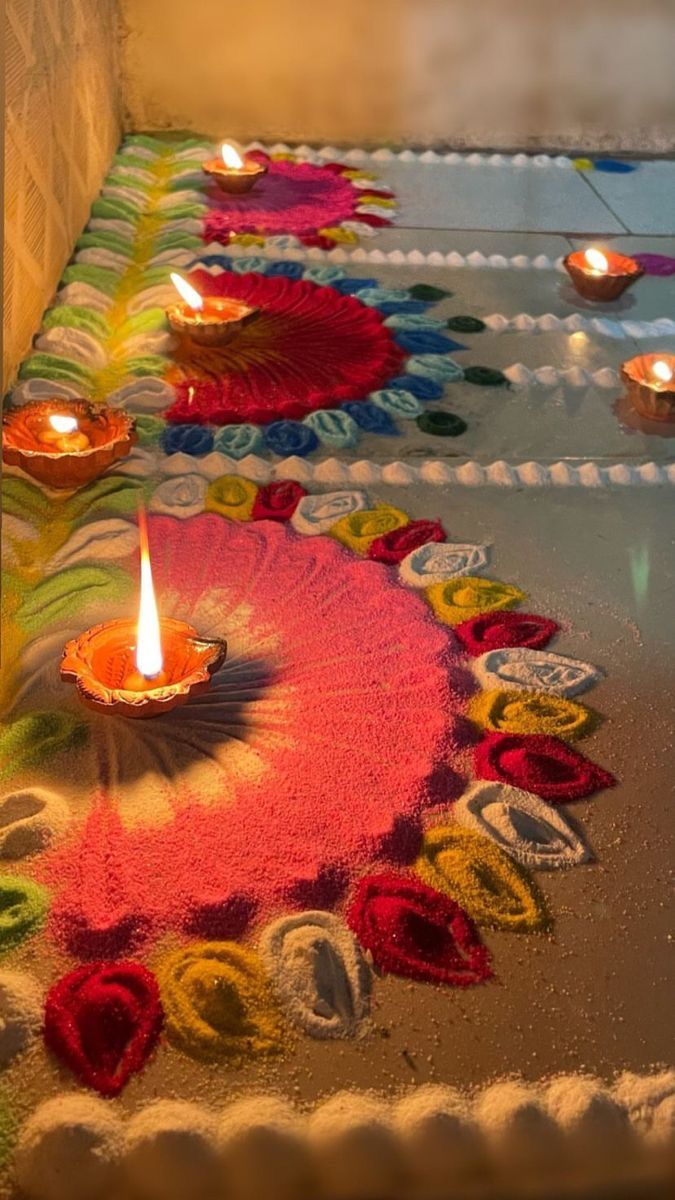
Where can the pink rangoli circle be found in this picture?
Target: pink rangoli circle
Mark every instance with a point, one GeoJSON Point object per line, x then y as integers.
{"type": "Point", "coordinates": [293, 198]}
{"type": "Point", "coordinates": [327, 732]}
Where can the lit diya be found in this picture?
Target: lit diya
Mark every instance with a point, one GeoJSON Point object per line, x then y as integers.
{"type": "Point", "coordinates": [207, 320]}
{"type": "Point", "coordinates": [650, 384]}
{"type": "Point", "coordinates": [232, 173]}
{"type": "Point", "coordinates": [601, 275]}
{"type": "Point", "coordinates": [141, 668]}
{"type": "Point", "coordinates": [65, 443]}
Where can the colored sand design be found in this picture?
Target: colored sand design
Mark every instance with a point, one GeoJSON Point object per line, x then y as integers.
{"type": "Point", "coordinates": [343, 680]}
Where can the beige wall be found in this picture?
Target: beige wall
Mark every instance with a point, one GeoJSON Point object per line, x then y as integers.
{"type": "Point", "coordinates": [61, 128]}
{"type": "Point", "coordinates": [492, 73]}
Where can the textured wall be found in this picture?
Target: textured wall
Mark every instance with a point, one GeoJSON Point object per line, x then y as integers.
{"type": "Point", "coordinates": [492, 73]}
{"type": "Point", "coordinates": [61, 128]}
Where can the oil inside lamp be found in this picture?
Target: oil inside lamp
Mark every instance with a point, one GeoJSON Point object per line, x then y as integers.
{"type": "Point", "coordinates": [63, 433]}
{"type": "Point", "coordinates": [597, 263]}
{"type": "Point", "coordinates": [210, 320]}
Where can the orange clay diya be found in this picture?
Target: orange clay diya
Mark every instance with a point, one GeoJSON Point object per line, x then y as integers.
{"type": "Point", "coordinates": [145, 668]}
{"type": "Point", "coordinates": [232, 173]}
{"type": "Point", "coordinates": [207, 320]}
{"type": "Point", "coordinates": [65, 443]}
{"type": "Point", "coordinates": [601, 275]}
{"type": "Point", "coordinates": [650, 384]}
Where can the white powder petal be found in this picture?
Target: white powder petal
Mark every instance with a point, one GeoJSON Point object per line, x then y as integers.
{"type": "Point", "coordinates": [525, 826]}
{"type": "Point", "coordinates": [318, 513]}
{"type": "Point", "coordinates": [535, 671]}
{"type": "Point", "coordinates": [436, 562]}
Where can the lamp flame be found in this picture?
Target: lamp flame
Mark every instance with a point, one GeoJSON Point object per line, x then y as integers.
{"type": "Point", "coordinates": [149, 658]}
{"type": "Point", "coordinates": [230, 157]}
{"type": "Point", "coordinates": [63, 424]}
{"type": "Point", "coordinates": [596, 260]}
{"type": "Point", "coordinates": [662, 371]}
{"type": "Point", "coordinates": [186, 291]}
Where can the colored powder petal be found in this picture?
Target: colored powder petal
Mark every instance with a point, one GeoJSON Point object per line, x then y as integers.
{"type": "Point", "coordinates": [491, 631]}
{"type": "Point", "coordinates": [324, 275]}
{"type": "Point", "coordinates": [485, 377]}
{"type": "Point", "coordinates": [290, 437]}
{"type": "Point", "coordinates": [459, 599]}
{"type": "Point", "coordinates": [149, 429]}
{"type": "Point", "coordinates": [510, 711]}
{"type": "Point", "coordinates": [333, 427]}
{"type": "Point", "coordinates": [218, 1003]}
{"type": "Point", "coordinates": [292, 270]}
{"type": "Point", "coordinates": [490, 887]}
{"type": "Point", "coordinates": [103, 1021]}
{"type": "Point", "coordinates": [435, 366]}
{"type": "Point", "coordinates": [535, 671]}
{"type": "Point", "coordinates": [522, 824]}
{"type": "Point", "coordinates": [370, 417]}
{"type": "Point", "coordinates": [398, 403]}
{"type": "Point", "coordinates": [187, 439]}
{"type": "Point", "coordinates": [23, 908]}
{"type": "Point", "coordinates": [466, 324]}
{"type": "Point", "coordinates": [614, 166]}
{"type": "Point", "coordinates": [277, 501]}
{"type": "Point", "coordinates": [350, 286]}
{"type": "Point", "coordinates": [392, 547]}
{"type": "Point", "coordinates": [419, 386]}
{"type": "Point", "coordinates": [424, 291]}
{"type": "Point", "coordinates": [237, 441]}
{"type": "Point", "coordinates": [318, 513]}
{"type": "Point", "coordinates": [419, 341]}
{"type": "Point", "coordinates": [232, 496]}
{"type": "Point", "coordinates": [412, 930]}
{"type": "Point", "coordinates": [360, 529]}
{"type": "Point", "coordinates": [582, 164]}
{"type": "Point", "coordinates": [540, 764]}
{"type": "Point", "coordinates": [436, 564]}
{"type": "Point", "coordinates": [441, 424]}
{"type": "Point", "coordinates": [33, 738]}
{"type": "Point", "coordinates": [655, 264]}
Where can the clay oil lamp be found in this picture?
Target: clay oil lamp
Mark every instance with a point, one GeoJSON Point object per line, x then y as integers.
{"type": "Point", "coordinates": [650, 385]}
{"type": "Point", "coordinates": [65, 443]}
{"type": "Point", "coordinates": [601, 275]}
{"type": "Point", "coordinates": [232, 173]}
{"type": "Point", "coordinates": [207, 320]}
{"type": "Point", "coordinates": [141, 668]}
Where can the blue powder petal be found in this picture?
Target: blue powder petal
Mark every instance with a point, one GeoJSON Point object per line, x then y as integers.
{"type": "Point", "coordinates": [419, 341]}
{"type": "Point", "coordinates": [238, 440]}
{"type": "Point", "coordinates": [187, 439]}
{"type": "Point", "coordinates": [291, 270]}
{"type": "Point", "coordinates": [614, 166]}
{"type": "Point", "coordinates": [334, 428]}
{"type": "Point", "coordinates": [420, 386]}
{"type": "Point", "coordinates": [290, 437]}
{"type": "Point", "coordinates": [370, 417]}
{"type": "Point", "coordinates": [349, 286]}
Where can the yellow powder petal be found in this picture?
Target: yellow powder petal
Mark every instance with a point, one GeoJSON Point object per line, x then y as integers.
{"type": "Point", "coordinates": [338, 234]}
{"type": "Point", "coordinates": [582, 164]}
{"type": "Point", "coordinates": [247, 239]}
{"type": "Point", "coordinates": [358, 175]}
{"type": "Point", "coordinates": [511, 711]}
{"type": "Point", "coordinates": [457, 600]}
{"type": "Point", "coordinates": [378, 201]}
{"type": "Point", "coordinates": [359, 529]}
{"type": "Point", "coordinates": [218, 1003]}
{"type": "Point", "coordinates": [232, 496]}
{"type": "Point", "coordinates": [485, 882]}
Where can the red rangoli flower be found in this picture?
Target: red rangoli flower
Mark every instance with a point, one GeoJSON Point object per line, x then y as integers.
{"type": "Point", "coordinates": [495, 630]}
{"type": "Point", "coordinates": [277, 501]}
{"type": "Point", "coordinates": [392, 547]}
{"type": "Point", "coordinates": [541, 764]}
{"type": "Point", "coordinates": [103, 1021]}
{"type": "Point", "coordinates": [412, 930]}
{"type": "Point", "coordinates": [310, 348]}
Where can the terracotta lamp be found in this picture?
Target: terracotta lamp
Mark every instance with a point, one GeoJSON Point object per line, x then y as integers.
{"type": "Point", "coordinates": [207, 320]}
{"type": "Point", "coordinates": [601, 275]}
{"type": "Point", "coordinates": [65, 443]}
{"type": "Point", "coordinates": [141, 668]}
{"type": "Point", "coordinates": [232, 173]}
{"type": "Point", "coordinates": [650, 385]}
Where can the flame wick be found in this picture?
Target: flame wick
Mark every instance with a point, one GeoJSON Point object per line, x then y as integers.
{"type": "Point", "coordinates": [149, 657]}
{"type": "Point", "coordinates": [662, 371]}
{"type": "Point", "coordinates": [186, 291]}
{"type": "Point", "coordinates": [63, 424]}
{"type": "Point", "coordinates": [596, 260]}
{"type": "Point", "coordinates": [230, 157]}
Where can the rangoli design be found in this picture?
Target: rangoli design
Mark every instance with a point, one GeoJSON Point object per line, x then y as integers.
{"type": "Point", "coordinates": [330, 357]}
{"type": "Point", "coordinates": [382, 760]}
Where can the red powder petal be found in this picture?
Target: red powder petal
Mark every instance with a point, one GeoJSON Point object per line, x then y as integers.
{"type": "Point", "coordinates": [277, 501]}
{"type": "Point", "coordinates": [494, 630]}
{"type": "Point", "coordinates": [370, 219]}
{"type": "Point", "coordinates": [392, 547]}
{"type": "Point", "coordinates": [103, 1021]}
{"type": "Point", "coordinates": [540, 764]}
{"type": "Point", "coordinates": [414, 931]}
